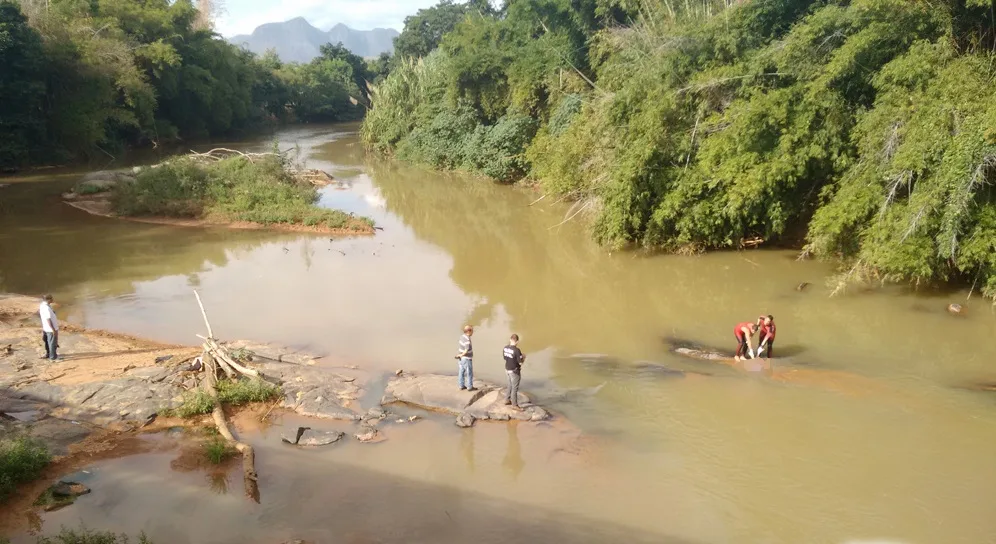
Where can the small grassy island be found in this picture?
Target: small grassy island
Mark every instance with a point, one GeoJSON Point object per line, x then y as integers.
{"type": "Point", "coordinates": [221, 188]}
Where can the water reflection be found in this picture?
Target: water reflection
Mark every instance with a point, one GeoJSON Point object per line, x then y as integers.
{"type": "Point", "coordinates": [513, 462]}
{"type": "Point", "coordinates": [467, 447]}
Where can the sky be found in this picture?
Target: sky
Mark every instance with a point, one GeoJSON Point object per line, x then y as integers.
{"type": "Point", "coordinates": [243, 16]}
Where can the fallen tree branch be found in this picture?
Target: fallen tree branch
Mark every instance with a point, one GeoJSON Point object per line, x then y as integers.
{"type": "Point", "coordinates": [203, 313]}
{"type": "Point", "coordinates": [212, 346]}
{"type": "Point", "coordinates": [250, 478]}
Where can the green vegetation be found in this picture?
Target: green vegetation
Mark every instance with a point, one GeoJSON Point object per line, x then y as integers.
{"type": "Point", "coordinates": [195, 403]}
{"type": "Point", "coordinates": [82, 79]}
{"type": "Point", "coordinates": [89, 536]}
{"type": "Point", "coordinates": [242, 355]}
{"type": "Point", "coordinates": [246, 391]}
{"type": "Point", "coordinates": [230, 392]}
{"type": "Point", "coordinates": [21, 460]}
{"type": "Point", "coordinates": [863, 126]}
{"type": "Point", "coordinates": [217, 450]}
{"type": "Point", "coordinates": [259, 190]}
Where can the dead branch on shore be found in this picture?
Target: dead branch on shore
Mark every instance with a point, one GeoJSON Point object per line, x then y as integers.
{"type": "Point", "coordinates": [221, 153]}
{"type": "Point", "coordinates": [215, 359]}
{"type": "Point", "coordinates": [318, 178]}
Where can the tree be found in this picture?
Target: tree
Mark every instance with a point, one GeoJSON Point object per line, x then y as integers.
{"type": "Point", "coordinates": [424, 31]}
{"type": "Point", "coordinates": [22, 87]}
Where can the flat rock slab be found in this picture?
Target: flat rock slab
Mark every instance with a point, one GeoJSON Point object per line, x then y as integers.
{"type": "Point", "coordinates": [441, 393]}
{"type": "Point", "coordinates": [314, 391]}
{"type": "Point", "coordinates": [58, 434]}
{"type": "Point", "coordinates": [311, 437]}
{"type": "Point", "coordinates": [492, 406]}
{"type": "Point", "coordinates": [434, 392]}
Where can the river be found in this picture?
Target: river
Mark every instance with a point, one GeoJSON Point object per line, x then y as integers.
{"type": "Point", "coordinates": [875, 440]}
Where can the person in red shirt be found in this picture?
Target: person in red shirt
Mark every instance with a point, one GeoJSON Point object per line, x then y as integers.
{"type": "Point", "coordinates": [767, 339]}
{"type": "Point", "coordinates": [743, 333]}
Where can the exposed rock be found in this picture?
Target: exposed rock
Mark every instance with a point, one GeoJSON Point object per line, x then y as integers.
{"type": "Point", "coordinates": [314, 391]}
{"type": "Point", "coordinates": [69, 489]}
{"type": "Point", "coordinates": [434, 392]}
{"type": "Point", "coordinates": [307, 436]}
{"type": "Point", "coordinates": [58, 434]}
{"type": "Point", "coordinates": [954, 309]}
{"type": "Point", "coordinates": [492, 406]}
{"type": "Point", "coordinates": [440, 393]}
{"type": "Point", "coordinates": [465, 420]}
{"type": "Point", "coordinates": [802, 286]}
{"type": "Point", "coordinates": [368, 434]}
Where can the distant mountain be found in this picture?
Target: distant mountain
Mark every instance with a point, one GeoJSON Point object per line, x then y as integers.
{"type": "Point", "coordinates": [298, 41]}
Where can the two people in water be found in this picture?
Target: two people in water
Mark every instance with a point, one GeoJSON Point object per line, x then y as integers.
{"type": "Point", "coordinates": [744, 332]}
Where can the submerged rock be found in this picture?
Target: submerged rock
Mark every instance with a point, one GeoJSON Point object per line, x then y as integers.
{"type": "Point", "coordinates": [307, 436]}
{"type": "Point", "coordinates": [60, 495]}
{"type": "Point", "coordinates": [465, 420]}
{"type": "Point", "coordinates": [368, 434]}
{"type": "Point", "coordinates": [954, 309]}
{"type": "Point", "coordinates": [69, 489]}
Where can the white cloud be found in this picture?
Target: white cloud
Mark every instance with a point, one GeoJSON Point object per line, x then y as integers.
{"type": "Point", "coordinates": [243, 16]}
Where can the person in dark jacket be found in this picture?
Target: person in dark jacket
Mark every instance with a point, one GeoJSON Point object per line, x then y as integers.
{"type": "Point", "coordinates": [513, 367]}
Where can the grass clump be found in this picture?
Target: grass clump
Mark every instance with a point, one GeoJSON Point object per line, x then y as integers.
{"type": "Point", "coordinates": [88, 536]}
{"type": "Point", "coordinates": [230, 392]}
{"type": "Point", "coordinates": [233, 189]}
{"type": "Point", "coordinates": [194, 403]}
{"type": "Point", "coordinates": [239, 392]}
{"type": "Point", "coordinates": [217, 450]}
{"type": "Point", "coordinates": [21, 460]}
{"type": "Point", "coordinates": [242, 355]}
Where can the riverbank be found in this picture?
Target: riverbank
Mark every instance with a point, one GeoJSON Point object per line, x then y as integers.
{"type": "Point", "coordinates": [108, 388]}
{"type": "Point", "coordinates": [220, 188]}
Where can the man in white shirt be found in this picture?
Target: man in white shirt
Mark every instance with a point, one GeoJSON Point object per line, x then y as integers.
{"type": "Point", "coordinates": [50, 328]}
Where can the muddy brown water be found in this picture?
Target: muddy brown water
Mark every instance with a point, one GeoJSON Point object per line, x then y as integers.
{"type": "Point", "coordinates": [872, 438]}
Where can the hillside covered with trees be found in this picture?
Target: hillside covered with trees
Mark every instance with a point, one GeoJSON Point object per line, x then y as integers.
{"type": "Point", "coordinates": [866, 127]}
{"type": "Point", "coordinates": [87, 78]}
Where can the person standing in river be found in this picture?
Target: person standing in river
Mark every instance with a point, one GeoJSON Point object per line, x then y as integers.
{"type": "Point", "coordinates": [743, 333]}
{"type": "Point", "coordinates": [766, 341]}
{"type": "Point", "coordinates": [465, 356]}
{"type": "Point", "coordinates": [50, 328]}
{"type": "Point", "coordinates": [513, 367]}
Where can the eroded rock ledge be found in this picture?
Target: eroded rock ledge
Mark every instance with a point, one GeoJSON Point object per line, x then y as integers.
{"type": "Point", "coordinates": [440, 393]}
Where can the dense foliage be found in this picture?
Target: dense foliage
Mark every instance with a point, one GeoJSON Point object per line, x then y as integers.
{"type": "Point", "coordinates": [83, 78]}
{"type": "Point", "coordinates": [864, 127]}
{"type": "Point", "coordinates": [261, 190]}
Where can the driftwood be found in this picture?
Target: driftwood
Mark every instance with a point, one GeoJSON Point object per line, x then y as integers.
{"type": "Point", "coordinates": [220, 153]}
{"type": "Point", "coordinates": [216, 357]}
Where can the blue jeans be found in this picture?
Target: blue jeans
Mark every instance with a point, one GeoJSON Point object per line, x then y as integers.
{"type": "Point", "coordinates": [466, 369]}
{"type": "Point", "coordinates": [50, 344]}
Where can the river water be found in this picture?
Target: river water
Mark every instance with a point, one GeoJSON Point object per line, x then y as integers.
{"type": "Point", "coordinates": [869, 434]}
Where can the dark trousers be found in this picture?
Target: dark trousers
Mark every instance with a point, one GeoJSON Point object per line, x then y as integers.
{"type": "Point", "coordinates": [741, 345]}
{"type": "Point", "coordinates": [770, 347]}
{"type": "Point", "coordinates": [48, 338]}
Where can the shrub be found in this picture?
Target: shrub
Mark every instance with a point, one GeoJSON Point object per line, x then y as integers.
{"type": "Point", "coordinates": [232, 189]}
{"type": "Point", "coordinates": [21, 460]}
